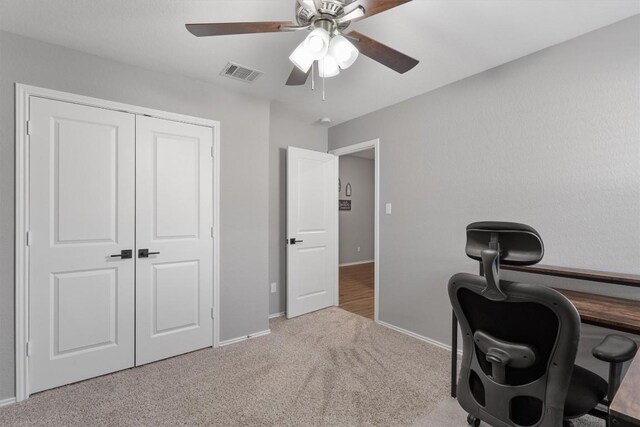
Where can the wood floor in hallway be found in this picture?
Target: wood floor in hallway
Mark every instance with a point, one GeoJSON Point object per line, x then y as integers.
{"type": "Point", "coordinates": [356, 289]}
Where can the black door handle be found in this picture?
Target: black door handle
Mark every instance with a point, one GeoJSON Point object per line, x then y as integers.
{"type": "Point", "coordinates": [144, 253]}
{"type": "Point", "coordinates": [124, 254]}
{"type": "Point", "coordinates": [293, 241]}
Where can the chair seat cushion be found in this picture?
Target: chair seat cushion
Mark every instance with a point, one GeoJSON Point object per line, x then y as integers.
{"type": "Point", "coordinates": [585, 392]}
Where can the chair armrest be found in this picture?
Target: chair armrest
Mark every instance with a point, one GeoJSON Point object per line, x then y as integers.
{"type": "Point", "coordinates": [615, 349]}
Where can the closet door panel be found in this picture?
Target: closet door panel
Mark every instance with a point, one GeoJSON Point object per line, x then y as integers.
{"type": "Point", "coordinates": [81, 213]}
{"type": "Point", "coordinates": [174, 216]}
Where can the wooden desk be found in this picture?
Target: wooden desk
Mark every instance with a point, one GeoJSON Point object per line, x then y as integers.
{"type": "Point", "coordinates": [625, 408]}
{"type": "Point", "coordinates": [608, 312]}
{"type": "Point", "coordinates": [578, 273]}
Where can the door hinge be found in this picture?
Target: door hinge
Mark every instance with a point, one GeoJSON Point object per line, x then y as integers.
{"type": "Point", "coordinates": [29, 127]}
{"type": "Point", "coordinates": [28, 238]}
{"type": "Point", "coordinates": [28, 348]}
{"type": "Point", "coordinates": [212, 151]}
{"type": "Point", "coordinates": [212, 313]}
{"type": "Point", "coordinates": [211, 231]}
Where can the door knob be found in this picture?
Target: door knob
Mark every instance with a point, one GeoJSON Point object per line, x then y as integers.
{"type": "Point", "coordinates": [144, 253]}
{"type": "Point", "coordinates": [293, 241]}
{"type": "Point", "coordinates": [124, 254]}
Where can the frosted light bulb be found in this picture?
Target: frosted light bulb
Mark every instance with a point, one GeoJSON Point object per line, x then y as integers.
{"type": "Point", "coordinates": [343, 51]}
{"type": "Point", "coordinates": [328, 67]}
{"type": "Point", "coordinates": [317, 43]}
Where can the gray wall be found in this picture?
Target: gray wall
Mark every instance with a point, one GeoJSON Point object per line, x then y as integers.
{"type": "Point", "coordinates": [287, 129]}
{"type": "Point", "coordinates": [551, 140]}
{"type": "Point", "coordinates": [244, 170]}
{"type": "Point", "coordinates": [357, 225]}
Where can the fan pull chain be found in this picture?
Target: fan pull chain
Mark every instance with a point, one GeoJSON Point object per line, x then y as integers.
{"type": "Point", "coordinates": [313, 76]}
{"type": "Point", "coordinates": [323, 95]}
{"type": "Point", "coordinates": [323, 77]}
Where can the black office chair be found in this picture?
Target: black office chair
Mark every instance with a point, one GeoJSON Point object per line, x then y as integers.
{"type": "Point", "coordinates": [520, 340]}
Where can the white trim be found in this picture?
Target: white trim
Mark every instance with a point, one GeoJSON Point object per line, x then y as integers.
{"type": "Point", "coordinates": [276, 315]}
{"type": "Point", "coordinates": [23, 94]}
{"type": "Point", "coordinates": [216, 235]}
{"type": "Point", "coordinates": [354, 148]}
{"type": "Point", "coordinates": [375, 144]}
{"type": "Point", "coordinates": [244, 338]}
{"type": "Point", "coordinates": [347, 264]}
{"type": "Point", "coordinates": [417, 336]}
{"type": "Point", "coordinates": [336, 228]}
{"type": "Point", "coordinates": [9, 401]}
{"type": "Point", "coordinates": [21, 249]}
{"type": "Point", "coordinates": [112, 105]}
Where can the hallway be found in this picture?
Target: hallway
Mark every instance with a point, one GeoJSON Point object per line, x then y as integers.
{"type": "Point", "coordinates": [357, 289]}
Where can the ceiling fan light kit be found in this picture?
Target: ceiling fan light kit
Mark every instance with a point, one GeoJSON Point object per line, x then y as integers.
{"type": "Point", "coordinates": [332, 53]}
{"type": "Point", "coordinates": [343, 51]}
{"type": "Point", "coordinates": [301, 58]}
{"type": "Point", "coordinates": [327, 43]}
{"type": "Point", "coordinates": [323, 47]}
{"type": "Point", "coordinates": [317, 43]}
{"type": "Point", "coordinates": [328, 67]}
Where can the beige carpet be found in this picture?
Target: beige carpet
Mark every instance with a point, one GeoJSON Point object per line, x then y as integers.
{"type": "Point", "coordinates": [329, 368]}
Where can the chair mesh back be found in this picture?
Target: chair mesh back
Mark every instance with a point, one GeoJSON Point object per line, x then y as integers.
{"type": "Point", "coordinates": [530, 315]}
{"type": "Point", "coordinates": [521, 322]}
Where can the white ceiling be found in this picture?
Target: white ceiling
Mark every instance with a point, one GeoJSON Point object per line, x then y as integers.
{"type": "Point", "coordinates": [452, 39]}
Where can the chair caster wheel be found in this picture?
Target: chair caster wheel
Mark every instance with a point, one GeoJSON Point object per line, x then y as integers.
{"type": "Point", "coordinates": [473, 421]}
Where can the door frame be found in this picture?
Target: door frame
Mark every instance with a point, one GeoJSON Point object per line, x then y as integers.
{"type": "Point", "coordinates": [23, 94]}
{"type": "Point", "coordinates": [350, 149]}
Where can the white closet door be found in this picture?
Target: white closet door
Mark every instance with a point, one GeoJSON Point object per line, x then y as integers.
{"type": "Point", "coordinates": [81, 213]}
{"type": "Point", "coordinates": [174, 218]}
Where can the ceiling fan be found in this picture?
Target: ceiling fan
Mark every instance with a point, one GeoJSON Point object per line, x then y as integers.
{"type": "Point", "coordinates": [327, 44]}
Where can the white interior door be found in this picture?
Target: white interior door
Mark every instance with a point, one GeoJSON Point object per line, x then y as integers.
{"type": "Point", "coordinates": [174, 220]}
{"type": "Point", "coordinates": [312, 198]}
{"type": "Point", "coordinates": [81, 213]}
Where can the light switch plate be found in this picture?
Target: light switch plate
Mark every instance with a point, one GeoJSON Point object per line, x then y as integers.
{"type": "Point", "coordinates": [387, 208]}
{"type": "Point", "coordinates": [274, 287]}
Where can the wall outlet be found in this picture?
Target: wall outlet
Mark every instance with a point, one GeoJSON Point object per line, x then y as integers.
{"type": "Point", "coordinates": [358, 249]}
{"type": "Point", "coordinates": [274, 287]}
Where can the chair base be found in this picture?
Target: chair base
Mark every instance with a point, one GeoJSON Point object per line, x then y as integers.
{"type": "Point", "coordinates": [473, 421]}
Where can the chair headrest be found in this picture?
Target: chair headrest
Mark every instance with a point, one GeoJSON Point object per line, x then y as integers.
{"type": "Point", "coordinates": [519, 244]}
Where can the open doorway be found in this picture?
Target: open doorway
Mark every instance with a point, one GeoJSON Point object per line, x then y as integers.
{"type": "Point", "coordinates": [357, 220]}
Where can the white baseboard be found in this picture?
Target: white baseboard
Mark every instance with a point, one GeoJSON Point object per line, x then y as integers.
{"type": "Point", "coordinates": [346, 264]}
{"type": "Point", "coordinates": [9, 401]}
{"type": "Point", "coordinates": [244, 338]}
{"type": "Point", "coordinates": [274, 315]}
{"type": "Point", "coordinates": [418, 336]}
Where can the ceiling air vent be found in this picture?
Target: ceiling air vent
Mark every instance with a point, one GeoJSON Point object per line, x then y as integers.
{"type": "Point", "coordinates": [240, 72]}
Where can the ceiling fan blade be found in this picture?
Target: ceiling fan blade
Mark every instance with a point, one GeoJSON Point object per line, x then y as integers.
{"type": "Point", "coordinates": [297, 77]}
{"type": "Point", "coordinates": [227, 28]}
{"type": "Point", "coordinates": [381, 53]}
{"type": "Point", "coordinates": [373, 7]}
{"type": "Point", "coordinates": [356, 13]}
